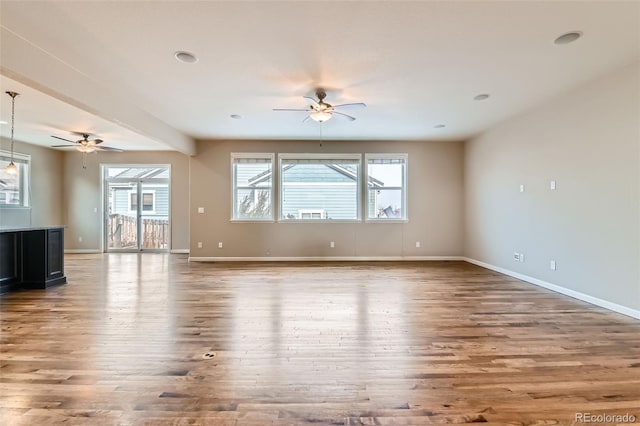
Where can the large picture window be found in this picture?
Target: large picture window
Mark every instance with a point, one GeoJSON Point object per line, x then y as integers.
{"type": "Point", "coordinates": [252, 186]}
{"type": "Point", "coordinates": [319, 187]}
{"type": "Point", "coordinates": [14, 189]}
{"type": "Point", "coordinates": [386, 186]}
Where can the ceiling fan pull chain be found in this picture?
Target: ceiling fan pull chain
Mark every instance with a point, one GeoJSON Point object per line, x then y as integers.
{"type": "Point", "coordinates": [84, 160]}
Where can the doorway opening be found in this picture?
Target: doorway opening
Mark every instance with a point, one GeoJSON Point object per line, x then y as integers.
{"type": "Point", "coordinates": [137, 207]}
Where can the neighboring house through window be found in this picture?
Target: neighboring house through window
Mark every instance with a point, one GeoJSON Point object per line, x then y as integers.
{"type": "Point", "coordinates": [388, 201]}
{"type": "Point", "coordinates": [14, 189]}
{"type": "Point", "coordinates": [319, 186]}
{"type": "Point", "coordinates": [148, 202]}
{"type": "Point", "coordinates": [252, 190]}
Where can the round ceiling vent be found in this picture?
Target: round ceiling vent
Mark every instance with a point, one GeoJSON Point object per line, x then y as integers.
{"type": "Point", "coordinates": [186, 57]}
{"type": "Point", "coordinates": [567, 38]}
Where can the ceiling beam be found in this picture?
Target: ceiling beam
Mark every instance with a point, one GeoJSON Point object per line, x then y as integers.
{"type": "Point", "coordinates": [27, 63]}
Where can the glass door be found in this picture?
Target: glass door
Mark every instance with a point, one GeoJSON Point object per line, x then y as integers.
{"type": "Point", "coordinates": [137, 208]}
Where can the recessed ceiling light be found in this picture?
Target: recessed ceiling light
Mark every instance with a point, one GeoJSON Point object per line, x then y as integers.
{"type": "Point", "coordinates": [481, 97]}
{"type": "Point", "coordinates": [186, 57]}
{"type": "Point", "coordinates": [569, 37]}
{"type": "Point", "coordinates": [439, 126]}
{"type": "Point", "coordinates": [236, 116]}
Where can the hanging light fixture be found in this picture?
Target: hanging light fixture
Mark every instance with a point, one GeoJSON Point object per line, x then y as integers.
{"type": "Point", "coordinates": [12, 169]}
{"type": "Point", "coordinates": [320, 116]}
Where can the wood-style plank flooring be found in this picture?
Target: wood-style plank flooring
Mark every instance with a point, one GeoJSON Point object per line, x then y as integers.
{"type": "Point", "coordinates": [125, 342]}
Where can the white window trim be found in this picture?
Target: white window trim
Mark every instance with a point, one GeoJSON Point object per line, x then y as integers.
{"type": "Point", "coordinates": [320, 156]}
{"type": "Point", "coordinates": [142, 211]}
{"type": "Point", "coordinates": [257, 155]}
{"type": "Point", "coordinates": [405, 187]}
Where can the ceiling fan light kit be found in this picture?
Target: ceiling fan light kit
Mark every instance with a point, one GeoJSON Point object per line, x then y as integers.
{"type": "Point", "coordinates": [85, 146]}
{"type": "Point", "coordinates": [321, 111]}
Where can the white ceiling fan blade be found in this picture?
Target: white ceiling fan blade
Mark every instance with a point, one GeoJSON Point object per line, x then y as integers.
{"type": "Point", "coordinates": [306, 118]}
{"type": "Point", "coordinates": [291, 109]}
{"type": "Point", "coordinates": [107, 148]}
{"type": "Point", "coordinates": [351, 105]}
{"type": "Point", "coordinates": [62, 146]}
{"type": "Point", "coordinates": [350, 118]}
{"type": "Point", "coordinates": [63, 139]}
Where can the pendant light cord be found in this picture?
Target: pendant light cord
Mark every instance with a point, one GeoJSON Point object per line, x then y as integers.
{"type": "Point", "coordinates": [13, 118]}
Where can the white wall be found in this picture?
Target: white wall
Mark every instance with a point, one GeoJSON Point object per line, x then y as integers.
{"type": "Point", "coordinates": [588, 140]}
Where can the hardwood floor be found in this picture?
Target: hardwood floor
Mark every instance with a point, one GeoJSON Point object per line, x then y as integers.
{"type": "Point", "coordinates": [126, 342]}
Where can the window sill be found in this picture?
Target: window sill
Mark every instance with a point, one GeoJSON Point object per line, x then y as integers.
{"type": "Point", "coordinates": [10, 207]}
{"type": "Point", "coordinates": [320, 221]}
{"type": "Point", "coordinates": [251, 220]}
{"type": "Point", "coordinates": [386, 220]}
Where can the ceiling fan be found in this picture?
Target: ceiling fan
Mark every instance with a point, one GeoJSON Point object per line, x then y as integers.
{"type": "Point", "coordinates": [85, 146]}
{"type": "Point", "coordinates": [321, 111]}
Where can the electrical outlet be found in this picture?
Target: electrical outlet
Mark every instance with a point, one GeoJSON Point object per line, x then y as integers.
{"type": "Point", "coordinates": [332, 244]}
{"type": "Point", "coordinates": [200, 210]}
{"type": "Point", "coordinates": [95, 210]}
{"type": "Point", "coordinates": [552, 185]}
{"type": "Point", "coordinates": [552, 265]}
{"type": "Point", "coordinates": [417, 244]}
{"type": "Point", "coordinates": [79, 239]}
{"type": "Point", "coordinates": [220, 244]}
{"type": "Point", "coordinates": [199, 244]}
{"type": "Point", "coordinates": [521, 188]}
{"type": "Point", "coordinates": [522, 257]}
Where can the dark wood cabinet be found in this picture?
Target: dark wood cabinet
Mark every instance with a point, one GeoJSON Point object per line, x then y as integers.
{"type": "Point", "coordinates": [9, 261]}
{"type": "Point", "coordinates": [31, 258]}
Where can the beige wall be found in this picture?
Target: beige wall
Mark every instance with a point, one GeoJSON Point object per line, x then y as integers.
{"type": "Point", "coordinates": [435, 206]}
{"type": "Point", "coordinates": [588, 141]}
{"type": "Point", "coordinates": [46, 188]}
{"type": "Point", "coordinates": [83, 195]}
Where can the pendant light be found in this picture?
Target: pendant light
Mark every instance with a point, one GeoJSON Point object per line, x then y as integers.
{"type": "Point", "coordinates": [12, 169]}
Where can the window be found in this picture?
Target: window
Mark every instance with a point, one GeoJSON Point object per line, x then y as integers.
{"type": "Point", "coordinates": [14, 189]}
{"type": "Point", "coordinates": [319, 187]}
{"type": "Point", "coordinates": [386, 186]}
{"type": "Point", "coordinates": [252, 178]}
{"type": "Point", "coordinates": [148, 202]}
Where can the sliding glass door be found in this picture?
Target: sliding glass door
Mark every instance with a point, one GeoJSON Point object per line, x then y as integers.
{"type": "Point", "coordinates": [137, 213]}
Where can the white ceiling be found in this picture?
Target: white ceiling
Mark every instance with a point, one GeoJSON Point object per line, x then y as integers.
{"type": "Point", "coordinates": [416, 64]}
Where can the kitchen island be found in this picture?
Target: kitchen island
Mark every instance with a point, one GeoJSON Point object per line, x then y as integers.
{"type": "Point", "coordinates": [31, 258]}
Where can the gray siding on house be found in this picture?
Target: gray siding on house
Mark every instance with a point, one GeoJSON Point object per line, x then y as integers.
{"type": "Point", "coordinates": [247, 171]}
{"type": "Point", "coordinates": [314, 173]}
{"type": "Point", "coordinates": [121, 202]}
{"type": "Point", "coordinates": [342, 204]}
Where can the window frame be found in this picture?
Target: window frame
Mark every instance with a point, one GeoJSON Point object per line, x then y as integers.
{"type": "Point", "coordinates": [320, 156]}
{"type": "Point", "coordinates": [405, 187]}
{"type": "Point", "coordinates": [234, 189]}
{"type": "Point", "coordinates": [22, 161]}
{"type": "Point", "coordinates": [142, 210]}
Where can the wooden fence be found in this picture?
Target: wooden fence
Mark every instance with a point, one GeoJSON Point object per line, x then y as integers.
{"type": "Point", "coordinates": [122, 232]}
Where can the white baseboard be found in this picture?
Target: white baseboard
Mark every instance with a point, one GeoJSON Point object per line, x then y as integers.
{"type": "Point", "coordinates": [325, 259]}
{"type": "Point", "coordinates": [179, 251]}
{"type": "Point", "coordinates": [82, 251]}
{"type": "Point", "coordinates": [634, 313]}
